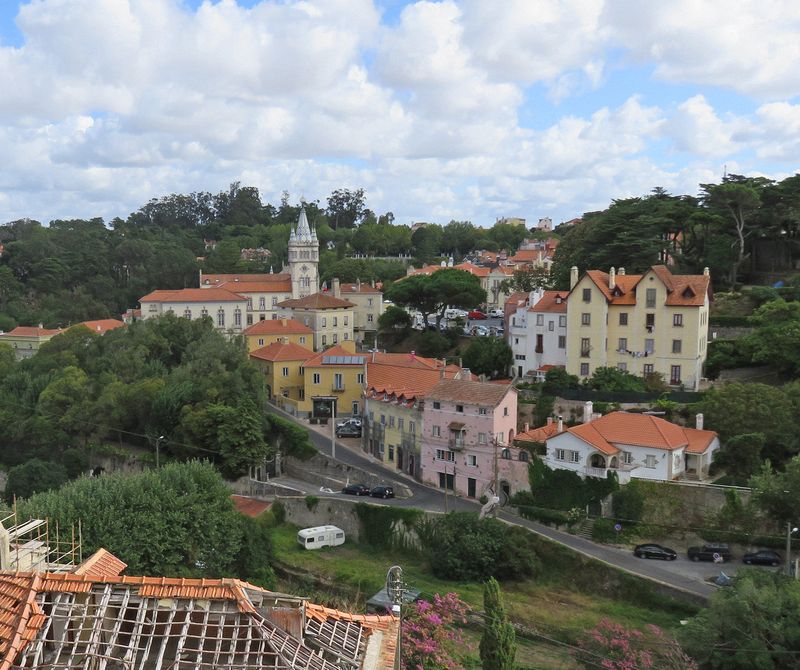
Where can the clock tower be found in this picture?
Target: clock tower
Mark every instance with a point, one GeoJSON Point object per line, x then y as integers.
{"type": "Point", "coordinates": [303, 258]}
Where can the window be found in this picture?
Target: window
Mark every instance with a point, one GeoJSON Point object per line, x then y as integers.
{"type": "Point", "coordinates": [622, 344]}
{"type": "Point", "coordinates": [676, 346]}
{"type": "Point", "coordinates": [505, 411]}
{"type": "Point", "coordinates": [622, 367]}
{"type": "Point", "coordinates": [540, 319]}
{"type": "Point", "coordinates": [369, 302]}
{"type": "Point", "coordinates": [324, 340]}
{"type": "Point", "coordinates": [482, 411]}
{"type": "Point", "coordinates": [586, 319]}
{"type": "Point", "coordinates": [302, 339]}
{"type": "Point", "coordinates": [677, 320]}
{"type": "Point", "coordinates": [539, 344]}
{"type": "Point", "coordinates": [627, 457]}
{"type": "Point", "coordinates": [584, 369]}
{"type": "Point", "coordinates": [586, 346]}
{"type": "Point", "coordinates": [338, 382]}
{"type": "Point", "coordinates": [520, 357]}
{"type": "Point", "coordinates": [460, 408]}
{"type": "Point", "coordinates": [220, 317]}
{"type": "Point", "coordinates": [623, 318]}
{"type": "Point", "coordinates": [250, 304]}
{"type": "Point", "coordinates": [285, 372]}
{"type": "Point", "coordinates": [562, 341]}
{"type": "Point", "coordinates": [516, 340]}
{"type": "Point", "coordinates": [274, 301]}
{"type": "Point", "coordinates": [649, 461]}
{"type": "Point", "coordinates": [445, 455]}
{"type": "Point", "coordinates": [262, 302]}
{"type": "Point", "coordinates": [391, 421]}
{"type": "Point", "coordinates": [250, 319]}
{"type": "Point", "coordinates": [324, 322]}
{"type": "Point", "coordinates": [335, 322]}
{"type": "Point", "coordinates": [360, 378]}
{"type": "Point", "coordinates": [674, 374]}
{"type": "Point", "coordinates": [437, 404]}
{"type": "Point", "coordinates": [472, 460]}
{"type": "Point", "coordinates": [260, 341]}
{"type": "Point", "coordinates": [560, 455]}
{"type": "Point", "coordinates": [383, 419]}
{"type": "Point", "coordinates": [369, 319]}
{"type": "Point", "coordinates": [523, 455]}
{"type": "Point", "coordinates": [301, 371]}
{"type": "Point", "coordinates": [562, 321]}
{"type": "Point", "coordinates": [481, 438]}
{"type": "Point", "coordinates": [436, 431]}
{"type": "Point", "coordinates": [551, 326]}
{"type": "Point", "coordinates": [315, 378]}
{"type": "Point", "coordinates": [152, 308]}
{"type": "Point", "coordinates": [347, 336]}
{"type": "Point", "coordinates": [345, 321]}
{"type": "Point", "coordinates": [575, 456]}
{"type": "Point", "coordinates": [587, 295]}
{"type": "Point", "coordinates": [203, 312]}
{"type": "Point", "coordinates": [649, 368]}
{"type": "Point", "coordinates": [237, 317]}
{"type": "Point", "coordinates": [649, 346]}
{"type": "Point", "coordinates": [649, 322]}
{"type": "Point", "coordinates": [187, 314]}
{"type": "Point", "coordinates": [506, 454]}
{"type": "Point", "coordinates": [391, 452]}
{"type": "Point", "coordinates": [412, 427]}
{"type": "Point", "coordinates": [400, 423]}
{"type": "Point", "coordinates": [335, 338]}
{"type": "Point", "coordinates": [650, 298]}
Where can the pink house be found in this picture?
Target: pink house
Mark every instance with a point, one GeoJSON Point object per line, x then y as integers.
{"type": "Point", "coordinates": [468, 433]}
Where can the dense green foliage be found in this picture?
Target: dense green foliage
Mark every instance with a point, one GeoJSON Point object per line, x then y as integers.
{"type": "Point", "coordinates": [462, 547]}
{"type": "Point", "coordinates": [628, 502]}
{"type": "Point", "coordinates": [564, 489]}
{"type": "Point", "coordinates": [753, 624]}
{"type": "Point", "coordinates": [170, 381]}
{"type": "Point", "coordinates": [34, 476]}
{"type": "Point", "coordinates": [175, 521]}
{"type": "Point", "coordinates": [498, 646]}
{"type": "Point", "coordinates": [383, 526]}
{"type": "Point", "coordinates": [490, 356]}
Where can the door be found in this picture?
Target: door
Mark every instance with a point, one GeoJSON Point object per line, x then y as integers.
{"type": "Point", "coordinates": [519, 371]}
{"type": "Point", "coordinates": [470, 487]}
{"type": "Point", "coordinates": [355, 408]}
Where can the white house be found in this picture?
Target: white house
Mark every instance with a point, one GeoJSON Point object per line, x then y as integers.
{"type": "Point", "coordinates": [537, 333]}
{"type": "Point", "coordinates": [636, 446]}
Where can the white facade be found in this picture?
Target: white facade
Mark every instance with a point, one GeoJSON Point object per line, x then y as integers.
{"type": "Point", "coordinates": [537, 332]}
{"type": "Point", "coordinates": [303, 258]}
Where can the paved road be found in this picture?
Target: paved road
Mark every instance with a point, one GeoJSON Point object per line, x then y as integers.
{"type": "Point", "coordinates": [680, 573]}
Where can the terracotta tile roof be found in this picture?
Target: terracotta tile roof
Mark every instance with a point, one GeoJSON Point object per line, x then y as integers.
{"type": "Point", "coordinates": [277, 327]}
{"type": "Point", "coordinates": [408, 379]}
{"type": "Point", "coordinates": [527, 255]}
{"type": "Point", "coordinates": [641, 430]}
{"type": "Point", "coordinates": [410, 360]}
{"type": "Point", "coordinates": [102, 326]}
{"type": "Point", "coordinates": [202, 295]}
{"type": "Point", "coordinates": [365, 287]}
{"type": "Point", "coordinates": [34, 331]}
{"type": "Point", "coordinates": [476, 270]}
{"type": "Point", "coordinates": [316, 301]}
{"type": "Point", "coordinates": [355, 360]}
{"type": "Point", "coordinates": [550, 302]}
{"type": "Point", "coordinates": [539, 434]}
{"type": "Point", "coordinates": [682, 290]}
{"type": "Point", "coordinates": [20, 615]}
{"type": "Point", "coordinates": [220, 279]}
{"type": "Point", "coordinates": [469, 392]}
{"type": "Point", "coordinates": [100, 563]}
{"type": "Point", "coordinates": [282, 351]}
{"type": "Point", "coordinates": [282, 286]}
{"type": "Point", "coordinates": [250, 506]}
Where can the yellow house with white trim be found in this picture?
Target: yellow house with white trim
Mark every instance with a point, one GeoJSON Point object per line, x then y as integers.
{"type": "Point", "coordinates": [282, 364]}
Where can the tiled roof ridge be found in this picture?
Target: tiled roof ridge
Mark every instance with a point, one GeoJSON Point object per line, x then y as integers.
{"type": "Point", "coordinates": [27, 622]}
{"type": "Point", "coordinates": [657, 423]}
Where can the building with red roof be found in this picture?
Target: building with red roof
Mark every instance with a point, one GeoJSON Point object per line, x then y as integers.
{"type": "Point", "coordinates": [26, 340]}
{"type": "Point", "coordinates": [263, 333]}
{"type": "Point", "coordinates": [225, 308]}
{"type": "Point", "coordinates": [537, 333]}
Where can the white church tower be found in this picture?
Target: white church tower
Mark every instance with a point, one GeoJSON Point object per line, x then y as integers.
{"type": "Point", "coordinates": [303, 258]}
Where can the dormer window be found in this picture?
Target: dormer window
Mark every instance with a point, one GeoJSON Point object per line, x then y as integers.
{"type": "Point", "coordinates": [558, 300]}
{"type": "Point", "coordinates": [688, 292]}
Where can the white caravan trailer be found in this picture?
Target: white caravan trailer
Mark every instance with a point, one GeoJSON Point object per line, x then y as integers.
{"type": "Point", "coordinates": [321, 536]}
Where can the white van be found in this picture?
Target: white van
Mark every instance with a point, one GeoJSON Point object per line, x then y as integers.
{"type": "Point", "coordinates": [321, 536]}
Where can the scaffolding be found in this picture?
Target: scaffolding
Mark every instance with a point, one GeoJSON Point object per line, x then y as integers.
{"type": "Point", "coordinates": [33, 546]}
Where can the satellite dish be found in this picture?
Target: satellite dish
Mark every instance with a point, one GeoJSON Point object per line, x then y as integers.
{"type": "Point", "coordinates": [394, 583]}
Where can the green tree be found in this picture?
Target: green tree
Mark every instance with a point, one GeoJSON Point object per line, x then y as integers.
{"type": "Point", "coordinates": [614, 379]}
{"type": "Point", "coordinates": [34, 476]}
{"type": "Point", "coordinates": [778, 493]}
{"type": "Point", "coordinates": [345, 208]}
{"type": "Point", "coordinates": [488, 356]}
{"type": "Point", "coordinates": [753, 624]}
{"type": "Point", "coordinates": [741, 457]}
{"type": "Point", "coordinates": [498, 645]}
{"type": "Point", "coordinates": [527, 279]}
{"type": "Point", "coordinates": [776, 336]}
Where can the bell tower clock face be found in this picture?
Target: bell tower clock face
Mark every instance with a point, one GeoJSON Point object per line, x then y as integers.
{"type": "Point", "coordinates": [304, 269]}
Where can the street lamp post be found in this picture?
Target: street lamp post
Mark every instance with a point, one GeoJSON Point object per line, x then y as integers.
{"type": "Point", "coordinates": [158, 444]}
{"type": "Point", "coordinates": [333, 429]}
{"type": "Point", "coordinates": [789, 530]}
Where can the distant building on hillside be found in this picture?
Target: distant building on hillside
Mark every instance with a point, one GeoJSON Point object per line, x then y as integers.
{"type": "Point", "coordinates": [511, 221]}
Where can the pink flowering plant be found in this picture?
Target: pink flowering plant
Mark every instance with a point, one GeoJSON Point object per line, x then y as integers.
{"type": "Point", "coordinates": [614, 647]}
{"type": "Point", "coordinates": [431, 637]}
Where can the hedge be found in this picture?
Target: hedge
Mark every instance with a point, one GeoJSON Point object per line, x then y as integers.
{"type": "Point", "coordinates": [544, 515]}
{"type": "Point", "coordinates": [729, 320]}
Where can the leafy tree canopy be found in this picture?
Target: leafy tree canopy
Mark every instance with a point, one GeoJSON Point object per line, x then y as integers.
{"type": "Point", "coordinates": [489, 356]}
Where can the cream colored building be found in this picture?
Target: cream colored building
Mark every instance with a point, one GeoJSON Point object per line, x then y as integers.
{"type": "Point", "coordinates": [226, 309]}
{"type": "Point", "coordinates": [368, 302]}
{"type": "Point", "coordinates": [330, 318]}
{"type": "Point", "coordinates": [264, 333]}
{"type": "Point", "coordinates": [26, 340]}
{"type": "Point", "coordinates": [653, 322]}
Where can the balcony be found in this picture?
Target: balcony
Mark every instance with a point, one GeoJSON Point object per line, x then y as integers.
{"type": "Point", "coordinates": [585, 353]}
{"type": "Point", "coordinates": [456, 444]}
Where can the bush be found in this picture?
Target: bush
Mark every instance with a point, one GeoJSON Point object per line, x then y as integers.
{"type": "Point", "coordinates": [34, 476]}
{"type": "Point", "coordinates": [603, 530]}
{"type": "Point", "coordinates": [379, 525]}
{"type": "Point", "coordinates": [312, 502]}
{"type": "Point", "coordinates": [433, 345]}
{"type": "Point", "coordinates": [278, 512]}
{"type": "Point", "coordinates": [628, 502]}
{"type": "Point", "coordinates": [564, 489]}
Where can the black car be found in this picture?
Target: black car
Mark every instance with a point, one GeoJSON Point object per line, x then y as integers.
{"type": "Point", "coordinates": [762, 557]}
{"type": "Point", "coordinates": [382, 491]}
{"type": "Point", "coordinates": [654, 551]}
{"type": "Point", "coordinates": [709, 552]}
{"type": "Point", "coordinates": [348, 430]}
{"type": "Point", "coordinates": [356, 490]}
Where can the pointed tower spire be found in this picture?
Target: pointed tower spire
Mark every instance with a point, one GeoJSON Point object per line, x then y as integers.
{"type": "Point", "coordinates": [303, 230]}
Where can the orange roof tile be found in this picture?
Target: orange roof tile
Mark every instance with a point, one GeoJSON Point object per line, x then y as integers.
{"type": "Point", "coordinates": [682, 290]}
{"type": "Point", "coordinates": [699, 440]}
{"type": "Point", "coordinates": [336, 351]}
{"type": "Point", "coordinates": [408, 379]}
{"type": "Point", "coordinates": [282, 286]}
{"type": "Point", "coordinates": [101, 562]}
{"type": "Point", "coordinates": [250, 506]}
{"type": "Point", "coordinates": [102, 326]}
{"type": "Point", "coordinates": [588, 433]}
{"type": "Point", "coordinates": [20, 615]}
{"type": "Point", "coordinates": [539, 434]}
{"type": "Point", "coordinates": [282, 351]}
{"type": "Point", "coordinates": [34, 331]}
{"type": "Point", "coordinates": [220, 279]}
{"type": "Point", "coordinates": [356, 288]}
{"type": "Point", "coordinates": [316, 301]}
{"type": "Point", "coordinates": [201, 295]}
{"type": "Point", "coordinates": [552, 301]}
{"type": "Point", "coordinates": [278, 327]}
{"type": "Point", "coordinates": [469, 392]}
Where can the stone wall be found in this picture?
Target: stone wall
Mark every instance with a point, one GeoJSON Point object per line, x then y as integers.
{"type": "Point", "coordinates": [324, 471]}
{"type": "Point", "coordinates": [328, 511]}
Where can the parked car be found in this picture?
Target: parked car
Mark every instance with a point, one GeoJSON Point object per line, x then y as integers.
{"type": "Point", "coordinates": [496, 313]}
{"type": "Point", "coordinates": [654, 551]}
{"type": "Point", "coordinates": [356, 490]}
{"type": "Point", "coordinates": [382, 491]}
{"type": "Point", "coordinates": [480, 331]}
{"type": "Point", "coordinates": [708, 552]}
{"type": "Point", "coordinates": [349, 430]}
{"type": "Point", "coordinates": [497, 331]}
{"type": "Point", "coordinates": [475, 314]}
{"type": "Point", "coordinates": [762, 557]}
{"type": "Point", "coordinates": [353, 421]}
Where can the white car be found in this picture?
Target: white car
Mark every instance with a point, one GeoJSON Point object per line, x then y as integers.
{"type": "Point", "coordinates": [481, 331]}
{"type": "Point", "coordinates": [496, 314]}
{"type": "Point", "coordinates": [354, 421]}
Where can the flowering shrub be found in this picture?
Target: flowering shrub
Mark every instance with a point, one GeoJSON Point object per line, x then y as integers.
{"type": "Point", "coordinates": [615, 647]}
{"type": "Point", "coordinates": [431, 640]}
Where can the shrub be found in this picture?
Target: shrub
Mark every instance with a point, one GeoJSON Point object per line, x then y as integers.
{"type": "Point", "coordinates": [312, 502]}
{"type": "Point", "coordinates": [34, 476]}
{"type": "Point", "coordinates": [379, 524]}
{"type": "Point", "coordinates": [433, 345]}
{"type": "Point", "coordinates": [278, 510]}
{"type": "Point", "coordinates": [628, 502]}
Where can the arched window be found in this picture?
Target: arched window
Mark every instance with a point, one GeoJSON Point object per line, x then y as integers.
{"type": "Point", "coordinates": [221, 317]}
{"type": "Point", "coordinates": [506, 454]}
{"type": "Point", "coordinates": [187, 313]}
{"type": "Point", "coordinates": [237, 317]}
{"type": "Point", "coordinates": [523, 455]}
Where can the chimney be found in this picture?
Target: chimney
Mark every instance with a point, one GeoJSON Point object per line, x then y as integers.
{"type": "Point", "coordinates": [526, 427]}
{"type": "Point", "coordinates": [698, 422]}
{"type": "Point", "coordinates": [621, 272]}
{"type": "Point", "coordinates": [560, 424]}
{"type": "Point", "coordinates": [588, 409]}
{"type": "Point", "coordinates": [373, 355]}
{"type": "Point", "coordinates": [283, 322]}
{"type": "Point", "coordinates": [337, 291]}
{"type": "Point", "coordinates": [573, 277]}
{"type": "Point", "coordinates": [549, 420]}
{"type": "Point", "coordinates": [358, 284]}
{"type": "Point", "coordinates": [612, 279]}
{"type": "Point", "coordinates": [465, 374]}
{"type": "Point", "coordinates": [372, 283]}
{"type": "Point", "coordinates": [706, 272]}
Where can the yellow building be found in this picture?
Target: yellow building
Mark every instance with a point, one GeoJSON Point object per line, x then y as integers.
{"type": "Point", "coordinates": [26, 340]}
{"type": "Point", "coordinates": [330, 318]}
{"type": "Point", "coordinates": [282, 364]}
{"type": "Point", "coordinates": [336, 374]}
{"type": "Point", "coordinates": [653, 322]}
{"type": "Point", "coordinates": [368, 302]}
{"type": "Point", "coordinates": [264, 333]}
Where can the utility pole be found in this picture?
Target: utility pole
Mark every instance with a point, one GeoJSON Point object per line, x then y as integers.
{"type": "Point", "coordinates": [789, 531]}
{"type": "Point", "coordinates": [333, 429]}
{"type": "Point", "coordinates": [496, 474]}
{"type": "Point", "coordinates": [158, 444]}
{"type": "Point", "coordinates": [445, 487]}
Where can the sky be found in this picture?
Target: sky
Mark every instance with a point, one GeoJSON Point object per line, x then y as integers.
{"type": "Point", "coordinates": [469, 110]}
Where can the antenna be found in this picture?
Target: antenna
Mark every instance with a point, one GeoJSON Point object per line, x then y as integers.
{"type": "Point", "coordinates": [395, 587]}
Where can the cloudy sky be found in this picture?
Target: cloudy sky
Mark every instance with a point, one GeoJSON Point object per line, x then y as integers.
{"type": "Point", "coordinates": [469, 110]}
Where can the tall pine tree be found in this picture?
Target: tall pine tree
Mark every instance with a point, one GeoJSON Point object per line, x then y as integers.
{"type": "Point", "coordinates": [498, 645]}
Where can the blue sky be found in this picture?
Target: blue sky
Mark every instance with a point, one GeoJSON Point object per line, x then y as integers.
{"type": "Point", "coordinates": [468, 109]}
